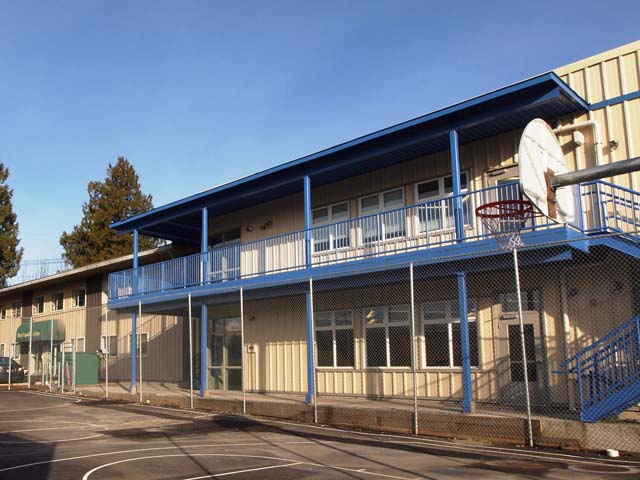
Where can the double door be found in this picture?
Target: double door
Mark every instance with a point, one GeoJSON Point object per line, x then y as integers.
{"type": "Point", "coordinates": [225, 350]}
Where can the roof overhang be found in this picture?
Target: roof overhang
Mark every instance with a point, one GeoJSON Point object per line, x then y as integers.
{"type": "Point", "coordinates": [545, 96]}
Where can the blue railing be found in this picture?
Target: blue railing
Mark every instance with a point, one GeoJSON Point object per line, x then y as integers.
{"type": "Point", "coordinates": [421, 226]}
{"type": "Point", "coordinates": [610, 207]}
{"type": "Point", "coordinates": [608, 372]}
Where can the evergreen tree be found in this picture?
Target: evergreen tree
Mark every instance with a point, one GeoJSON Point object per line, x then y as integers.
{"type": "Point", "coordinates": [116, 198]}
{"type": "Point", "coordinates": [10, 254]}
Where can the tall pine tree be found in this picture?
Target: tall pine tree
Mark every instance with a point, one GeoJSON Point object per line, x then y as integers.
{"type": "Point", "coordinates": [10, 254]}
{"type": "Point", "coordinates": [116, 198]}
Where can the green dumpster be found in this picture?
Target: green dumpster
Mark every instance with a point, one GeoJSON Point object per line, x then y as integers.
{"type": "Point", "coordinates": [87, 368]}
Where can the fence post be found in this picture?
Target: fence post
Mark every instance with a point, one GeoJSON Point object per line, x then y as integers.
{"type": "Point", "coordinates": [107, 352]}
{"type": "Point", "coordinates": [75, 350]}
{"type": "Point", "coordinates": [50, 358]}
{"type": "Point", "coordinates": [244, 391]}
{"type": "Point", "coordinates": [140, 351]}
{"type": "Point", "coordinates": [30, 343]}
{"type": "Point", "coordinates": [524, 348]}
{"type": "Point", "coordinates": [413, 351]}
{"type": "Point", "coordinates": [11, 349]}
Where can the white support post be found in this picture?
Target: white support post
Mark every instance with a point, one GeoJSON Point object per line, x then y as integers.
{"type": "Point", "coordinates": [30, 344]}
{"type": "Point", "coordinates": [313, 349]}
{"type": "Point", "coordinates": [74, 350]}
{"type": "Point", "coordinates": [11, 349]}
{"type": "Point", "coordinates": [140, 350]}
{"type": "Point", "coordinates": [244, 390]}
{"type": "Point", "coordinates": [107, 352]}
{"type": "Point", "coordinates": [413, 352]}
{"type": "Point", "coordinates": [190, 354]}
{"type": "Point", "coordinates": [51, 358]}
{"type": "Point", "coordinates": [523, 346]}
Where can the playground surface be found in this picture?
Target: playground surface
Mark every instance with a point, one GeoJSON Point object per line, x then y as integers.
{"type": "Point", "coordinates": [46, 436]}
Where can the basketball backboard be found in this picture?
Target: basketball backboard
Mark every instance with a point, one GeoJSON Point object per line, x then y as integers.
{"type": "Point", "coordinates": [540, 157]}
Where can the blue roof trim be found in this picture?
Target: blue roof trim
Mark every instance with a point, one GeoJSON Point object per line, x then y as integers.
{"type": "Point", "coordinates": [130, 223]}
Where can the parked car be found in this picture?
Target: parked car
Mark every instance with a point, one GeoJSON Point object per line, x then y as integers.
{"type": "Point", "coordinates": [17, 371]}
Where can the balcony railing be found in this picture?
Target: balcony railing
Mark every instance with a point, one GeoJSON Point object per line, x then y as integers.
{"type": "Point", "coordinates": [425, 225]}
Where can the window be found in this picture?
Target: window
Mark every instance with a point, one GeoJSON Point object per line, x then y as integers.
{"type": "Point", "coordinates": [38, 304]}
{"type": "Point", "coordinates": [78, 297]}
{"type": "Point", "coordinates": [17, 309]}
{"type": "Point", "coordinates": [334, 339]}
{"type": "Point", "coordinates": [2, 352]}
{"type": "Point", "coordinates": [327, 236]}
{"type": "Point", "coordinates": [442, 336]}
{"type": "Point", "coordinates": [142, 349]}
{"type": "Point", "coordinates": [438, 212]}
{"type": "Point", "coordinates": [387, 336]}
{"type": "Point", "coordinates": [57, 300]}
{"type": "Point", "coordinates": [79, 344]}
{"type": "Point", "coordinates": [109, 344]}
{"type": "Point", "coordinates": [509, 301]}
{"type": "Point", "coordinates": [16, 351]}
{"type": "Point", "coordinates": [390, 223]}
{"type": "Point", "coordinates": [3, 314]}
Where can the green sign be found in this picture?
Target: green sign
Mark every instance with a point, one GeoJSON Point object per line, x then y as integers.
{"type": "Point", "coordinates": [41, 331]}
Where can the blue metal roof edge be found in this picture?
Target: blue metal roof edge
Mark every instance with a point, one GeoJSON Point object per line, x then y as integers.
{"type": "Point", "coordinates": [124, 226]}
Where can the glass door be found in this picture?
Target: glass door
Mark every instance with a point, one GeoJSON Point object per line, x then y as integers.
{"type": "Point", "coordinates": [225, 346]}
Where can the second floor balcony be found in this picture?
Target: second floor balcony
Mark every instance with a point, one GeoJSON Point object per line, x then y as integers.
{"type": "Point", "coordinates": [600, 206]}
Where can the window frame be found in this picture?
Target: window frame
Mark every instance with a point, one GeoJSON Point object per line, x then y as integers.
{"type": "Point", "coordinates": [332, 238]}
{"type": "Point", "coordinates": [57, 297]}
{"type": "Point", "coordinates": [3, 315]}
{"type": "Point", "coordinates": [450, 320]}
{"type": "Point", "coordinates": [385, 324]}
{"type": "Point", "coordinates": [35, 301]}
{"type": "Point", "coordinates": [442, 198]}
{"type": "Point", "coordinates": [16, 351]}
{"type": "Point", "coordinates": [75, 297]}
{"type": "Point", "coordinates": [333, 328]}
{"type": "Point", "coordinates": [16, 308]}
{"type": "Point", "coordinates": [382, 236]}
{"type": "Point", "coordinates": [139, 343]}
{"type": "Point", "coordinates": [3, 353]}
{"type": "Point", "coordinates": [103, 342]}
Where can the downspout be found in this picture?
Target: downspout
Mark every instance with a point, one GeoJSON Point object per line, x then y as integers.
{"type": "Point", "coordinates": [596, 135]}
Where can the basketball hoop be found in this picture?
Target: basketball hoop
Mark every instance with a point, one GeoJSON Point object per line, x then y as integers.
{"type": "Point", "coordinates": [505, 219]}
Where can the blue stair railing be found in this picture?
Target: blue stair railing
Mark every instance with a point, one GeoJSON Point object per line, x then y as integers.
{"type": "Point", "coordinates": [608, 372]}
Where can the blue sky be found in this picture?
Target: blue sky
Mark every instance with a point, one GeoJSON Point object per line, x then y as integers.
{"type": "Point", "coordinates": [196, 93]}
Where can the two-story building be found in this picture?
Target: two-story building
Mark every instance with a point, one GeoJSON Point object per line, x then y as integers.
{"type": "Point", "coordinates": [362, 269]}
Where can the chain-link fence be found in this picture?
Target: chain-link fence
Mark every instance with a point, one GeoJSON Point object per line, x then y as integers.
{"type": "Point", "coordinates": [450, 347]}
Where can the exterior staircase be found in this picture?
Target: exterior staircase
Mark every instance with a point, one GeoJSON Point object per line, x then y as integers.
{"type": "Point", "coordinates": [608, 373]}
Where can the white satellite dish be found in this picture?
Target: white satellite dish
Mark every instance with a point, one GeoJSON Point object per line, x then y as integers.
{"type": "Point", "coordinates": [540, 158]}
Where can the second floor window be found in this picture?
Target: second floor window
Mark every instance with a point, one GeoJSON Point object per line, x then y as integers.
{"type": "Point", "coordinates": [57, 300]}
{"type": "Point", "coordinates": [38, 304]}
{"type": "Point", "coordinates": [3, 314]}
{"type": "Point", "coordinates": [331, 235]}
{"type": "Point", "coordinates": [390, 222]}
{"type": "Point", "coordinates": [78, 297]}
{"type": "Point", "coordinates": [438, 212]}
{"type": "Point", "coordinates": [17, 309]}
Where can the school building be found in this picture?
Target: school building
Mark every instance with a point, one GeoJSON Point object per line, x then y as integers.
{"type": "Point", "coordinates": [362, 270]}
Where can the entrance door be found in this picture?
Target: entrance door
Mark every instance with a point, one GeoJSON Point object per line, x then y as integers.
{"type": "Point", "coordinates": [510, 362]}
{"type": "Point", "coordinates": [225, 347]}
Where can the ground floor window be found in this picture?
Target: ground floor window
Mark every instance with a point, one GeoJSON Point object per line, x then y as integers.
{"type": "Point", "coordinates": [387, 336]}
{"type": "Point", "coordinates": [2, 352]}
{"type": "Point", "coordinates": [442, 335]}
{"type": "Point", "coordinates": [142, 339]}
{"type": "Point", "coordinates": [16, 351]}
{"type": "Point", "coordinates": [79, 345]}
{"type": "Point", "coordinates": [334, 339]}
{"type": "Point", "coordinates": [109, 344]}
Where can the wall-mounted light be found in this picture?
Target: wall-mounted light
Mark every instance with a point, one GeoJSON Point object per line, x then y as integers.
{"type": "Point", "coordinates": [613, 144]}
{"type": "Point", "coordinates": [267, 224]}
{"type": "Point", "coordinates": [249, 228]}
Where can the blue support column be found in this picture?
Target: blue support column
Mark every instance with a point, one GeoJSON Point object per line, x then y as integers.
{"type": "Point", "coordinates": [204, 337]}
{"type": "Point", "coordinates": [455, 175]}
{"type": "Point", "coordinates": [134, 323]}
{"type": "Point", "coordinates": [311, 383]}
{"type": "Point", "coordinates": [204, 246]}
{"type": "Point", "coordinates": [204, 323]}
{"type": "Point", "coordinates": [307, 221]}
{"type": "Point", "coordinates": [467, 393]}
{"type": "Point", "coordinates": [309, 296]}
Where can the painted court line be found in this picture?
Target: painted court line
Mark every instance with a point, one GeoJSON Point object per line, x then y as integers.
{"type": "Point", "coordinates": [244, 471]}
{"type": "Point", "coordinates": [262, 457]}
